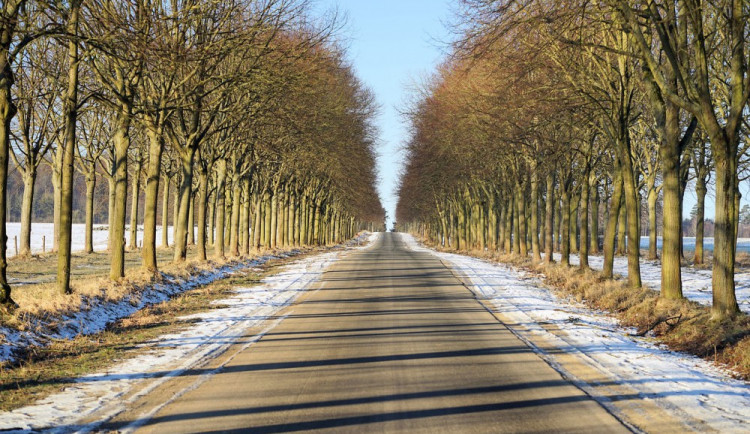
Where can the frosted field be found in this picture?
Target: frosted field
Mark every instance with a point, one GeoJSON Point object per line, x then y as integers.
{"type": "Point", "coordinates": [687, 386]}
{"type": "Point", "coordinates": [46, 231]}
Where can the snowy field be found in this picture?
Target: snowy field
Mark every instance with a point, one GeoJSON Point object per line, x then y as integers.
{"type": "Point", "coordinates": [688, 244]}
{"type": "Point", "coordinates": [107, 393]}
{"type": "Point", "coordinates": [682, 384]}
{"type": "Point", "coordinates": [44, 232]}
{"type": "Point", "coordinates": [696, 284]}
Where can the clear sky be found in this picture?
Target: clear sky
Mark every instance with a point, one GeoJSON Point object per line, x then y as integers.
{"type": "Point", "coordinates": [392, 44]}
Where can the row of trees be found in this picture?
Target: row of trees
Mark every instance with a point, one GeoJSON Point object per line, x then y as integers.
{"type": "Point", "coordinates": [547, 109]}
{"type": "Point", "coordinates": [247, 106]}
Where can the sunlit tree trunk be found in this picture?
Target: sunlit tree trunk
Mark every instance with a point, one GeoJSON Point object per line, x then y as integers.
{"type": "Point", "coordinates": [151, 201]}
{"type": "Point", "coordinates": [610, 231]}
{"type": "Point", "coordinates": [700, 191]}
{"type": "Point", "coordinates": [583, 218]}
{"type": "Point", "coordinates": [136, 189]}
{"type": "Point", "coordinates": [536, 254]}
{"type": "Point", "coordinates": [165, 212]}
{"type": "Point", "coordinates": [202, 200]}
{"type": "Point", "coordinates": [221, 177]}
{"type": "Point", "coordinates": [71, 119]}
{"type": "Point", "coordinates": [565, 223]}
{"type": "Point", "coordinates": [187, 157]}
{"type": "Point", "coordinates": [29, 179]}
{"type": "Point", "coordinates": [549, 217]}
{"type": "Point", "coordinates": [594, 216]}
{"type": "Point", "coordinates": [122, 143]}
{"type": "Point", "coordinates": [90, 188]}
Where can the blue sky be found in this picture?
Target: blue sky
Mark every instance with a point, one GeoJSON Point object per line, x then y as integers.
{"type": "Point", "coordinates": [392, 44]}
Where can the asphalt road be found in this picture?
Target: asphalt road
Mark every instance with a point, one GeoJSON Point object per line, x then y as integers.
{"type": "Point", "coordinates": [390, 341]}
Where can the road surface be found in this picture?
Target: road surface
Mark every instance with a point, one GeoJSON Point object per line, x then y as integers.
{"type": "Point", "coordinates": [388, 341]}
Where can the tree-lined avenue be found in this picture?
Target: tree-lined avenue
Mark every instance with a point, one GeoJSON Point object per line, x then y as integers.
{"type": "Point", "coordinates": [389, 341]}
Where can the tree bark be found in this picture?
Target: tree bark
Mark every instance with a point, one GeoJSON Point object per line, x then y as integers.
{"type": "Point", "coordinates": [234, 231]}
{"type": "Point", "coordinates": [71, 119]}
{"type": "Point", "coordinates": [221, 177]}
{"type": "Point", "coordinates": [610, 231]}
{"type": "Point", "coordinates": [549, 216]}
{"type": "Point", "coordinates": [90, 188]}
{"type": "Point", "coordinates": [594, 217]}
{"type": "Point", "coordinates": [164, 213]}
{"type": "Point", "coordinates": [202, 206]}
{"type": "Point", "coordinates": [27, 207]}
{"type": "Point", "coordinates": [583, 219]}
{"type": "Point", "coordinates": [117, 231]}
{"type": "Point", "coordinates": [651, 198]}
{"type": "Point", "coordinates": [536, 254]}
{"type": "Point", "coordinates": [700, 190]}
{"type": "Point", "coordinates": [565, 224]}
{"type": "Point", "coordinates": [187, 157]}
{"type": "Point", "coordinates": [134, 202]}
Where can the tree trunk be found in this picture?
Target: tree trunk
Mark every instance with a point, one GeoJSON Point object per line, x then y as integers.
{"type": "Point", "coordinates": [7, 111]}
{"type": "Point", "coordinates": [202, 206]}
{"type": "Point", "coordinates": [247, 218]}
{"type": "Point", "coordinates": [621, 232]}
{"type": "Point", "coordinates": [610, 231]}
{"type": "Point", "coordinates": [27, 207]}
{"type": "Point", "coordinates": [565, 225]}
{"type": "Point", "coordinates": [221, 178]}
{"type": "Point", "coordinates": [516, 226]}
{"type": "Point", "coordinates": [71, 119]}
{"type": "Point", "coordinates": [164, 213]}
{"type": "Point", "coordinates": [652, 240]}
{"type": "Point", "coordinates": [594, 218]}
{"type": "Point", "coordinates": [151, 202]}
{"type": "Point", "coordinates": [508, 224]}
{"type": "Point", "coordinates": [122, 143]}
{"type": "Point", "coordinates": [191, 220]}
{"type": "Point", "coordinates": [724, 298]}
{"type": "Point", "coordinates": [181, 221]}
{"type": "Point", "coordinates": [90, 187]}
{"type": "Point", "coordinates": [700, 191]}
{"type": "Point", "coordinates": [136, 184]}
{"type": "Point", "coordinates": [111, 208]}
{"type": "Point", "coordinates": [573, 220]}
{"type": "Point", "coordinates": [536, 254]}
{"type": "Point", "coordinates": [671, 250]}
{"type": "Point", "coordinates": [549, 215]}
{"type": "Point", "coordinates": [521, 232]}
{"type": "Point", "coordinates": [234, 230]}
{"type": "Point", "coordinates": [56, 199]}
{"type": "Point", "coordinates": [583, 219]}
{"type": "Point", "coordinates": [631, 207]}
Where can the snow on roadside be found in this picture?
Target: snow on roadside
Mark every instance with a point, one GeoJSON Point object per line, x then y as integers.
{"type": "Point", "coordinates": [680, 383]}
{"type": "Point", "coordinates": [171, 355]}
{"type": "Point", "coordinates": [696, 284]}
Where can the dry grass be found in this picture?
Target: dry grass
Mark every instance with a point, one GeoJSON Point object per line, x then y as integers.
{"type": "Point", "coordinates": [90, 282]}
{"type": "Point", "coordinates": [681, 325]}
{"type": "Point", "coordinates": [48, 369]}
